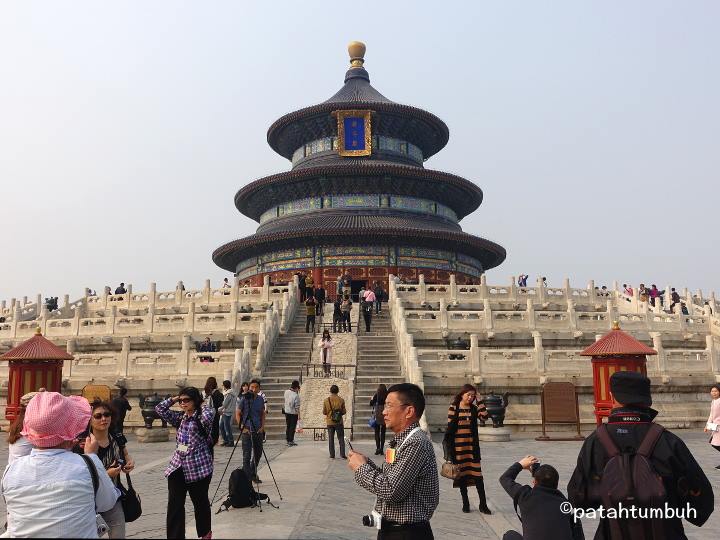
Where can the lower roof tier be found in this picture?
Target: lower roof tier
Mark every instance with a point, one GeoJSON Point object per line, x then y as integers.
{"type": "Point", "coordinates": [454, 246]}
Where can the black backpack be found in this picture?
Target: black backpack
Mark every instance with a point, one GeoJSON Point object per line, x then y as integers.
{"type": "Point", "coordinates": [629, 477]}
{"type": "Point", "coordinates": [241, 493]}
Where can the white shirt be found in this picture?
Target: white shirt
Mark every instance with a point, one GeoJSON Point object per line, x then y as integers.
{"type": "Point", "coordinates": [292, 402]}
{"type": "Point", "coordinates": [18, 449]}
{"type": "Point", "coordinates": [49, 494]}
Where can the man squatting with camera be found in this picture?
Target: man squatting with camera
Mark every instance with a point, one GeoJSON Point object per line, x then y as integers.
{"type": "Point", "coordinates": [540, 504]}
{"type": "Point", "coordinates": [406, 486]}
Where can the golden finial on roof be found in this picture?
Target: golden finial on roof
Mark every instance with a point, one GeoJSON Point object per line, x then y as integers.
{"type": "Point", "coordinates": [356, 49]}
{"type": "Point", "coordinates": [616, 325]}
{"type": "Point", "coordinates": [38, 332]}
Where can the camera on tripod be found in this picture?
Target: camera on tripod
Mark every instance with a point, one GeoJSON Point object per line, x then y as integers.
{"type": "Point", "coordinates": [373, 519]}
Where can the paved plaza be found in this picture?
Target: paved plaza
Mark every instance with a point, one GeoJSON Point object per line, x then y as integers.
{"type": "Point", "coordinates": [321, 500]}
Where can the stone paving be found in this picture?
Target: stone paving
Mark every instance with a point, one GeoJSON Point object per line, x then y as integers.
{"type": "Point", "coordinates": [320, 499]}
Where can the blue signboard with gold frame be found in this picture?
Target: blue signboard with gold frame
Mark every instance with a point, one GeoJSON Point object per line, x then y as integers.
{"type": "Point", "coordinates": [354, 133]}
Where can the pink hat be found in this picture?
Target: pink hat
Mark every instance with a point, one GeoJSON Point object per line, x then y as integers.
{"type": "Point", "coordinates": [51, 418]}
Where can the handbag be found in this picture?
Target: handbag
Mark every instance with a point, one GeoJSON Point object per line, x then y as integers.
{"type": "Point", "coordinates": [132, 506]}
{"type": "Point", "coordinates": [372, 421]}
{"type": "Point", "coordinates": [335, 416]}
{"type": "Point", "coordinates": [450, 470]}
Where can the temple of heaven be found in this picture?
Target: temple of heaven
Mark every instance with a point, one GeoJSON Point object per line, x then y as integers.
{"type": "Point", "coordinates": [358, 199]}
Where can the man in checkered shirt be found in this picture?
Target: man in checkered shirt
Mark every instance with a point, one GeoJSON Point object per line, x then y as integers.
{"type": "Point", "coordinates": [407, 485]}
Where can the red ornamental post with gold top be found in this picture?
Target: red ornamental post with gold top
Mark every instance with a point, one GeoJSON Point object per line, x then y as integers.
{"type": "Point", "coordinates": [34, 364]}
{"type": "Point", "coordinates": [615, 351]}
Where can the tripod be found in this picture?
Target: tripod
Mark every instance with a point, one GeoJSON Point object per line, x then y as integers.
{"type": "Point", "coordinates": [253, 433]}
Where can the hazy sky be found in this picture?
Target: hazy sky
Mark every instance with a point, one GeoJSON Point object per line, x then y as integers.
{"type": "Point", "coordinates": [126, 128]}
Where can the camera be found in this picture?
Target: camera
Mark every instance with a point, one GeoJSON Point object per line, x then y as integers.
{"type": "Point", "coordinates": [248, 395]}
{"type": "Point", "coordinates": [101, 524]}
{"type": "Point", "coordinates": [373, 519]}
{"type": "Point", "coordinates": [534, 467]}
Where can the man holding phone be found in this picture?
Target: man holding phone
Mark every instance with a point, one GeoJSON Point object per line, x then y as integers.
{"type": "Point", "coordinates": [406, 486]}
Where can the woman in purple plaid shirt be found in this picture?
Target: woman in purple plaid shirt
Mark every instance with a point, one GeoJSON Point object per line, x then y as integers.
{"type": "Point", "coordinates": [191, 465]}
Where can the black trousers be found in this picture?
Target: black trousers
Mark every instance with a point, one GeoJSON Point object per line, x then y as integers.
{"type": "Point", "coordinates": [252, 445]}
{"type": "Point", "coordinates": [419, 531]}
{"type": "Point", "coordinates": [310, 321]}
{"type": "Point", "coordinates": [380, 436]}
{"type": "Point", "coordinates": [340, 430]}
{"type": "Point", "coordinates": [346, 321]}
{"type": "Point", "coordinates": [367, 315]}
{"type": "Point", "coordinates": [290, 425]}
{"type": "Point", "coordinates": [177, 491]}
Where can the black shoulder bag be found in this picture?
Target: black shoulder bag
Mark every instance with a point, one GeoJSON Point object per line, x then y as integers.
{"type": "Point", "coordinates": [131, 503]}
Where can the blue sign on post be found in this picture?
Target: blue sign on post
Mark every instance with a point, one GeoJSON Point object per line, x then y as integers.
{"type": "Point", "coordinates": [354, 133]}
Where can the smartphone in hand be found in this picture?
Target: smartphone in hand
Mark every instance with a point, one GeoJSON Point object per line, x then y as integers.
{"type": "Point", "coordinates": [347, 441]}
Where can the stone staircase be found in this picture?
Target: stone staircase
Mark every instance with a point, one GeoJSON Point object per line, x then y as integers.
{"type": "Point", "coordinates": [290, 352]}
{"type": "Point", "coordinates": [377, 362]}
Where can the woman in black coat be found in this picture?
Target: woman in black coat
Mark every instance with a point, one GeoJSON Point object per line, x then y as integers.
{"type": "Point", "coordinates": [378, 404]}
{"type": "Point", "coordinates": [462, 447]}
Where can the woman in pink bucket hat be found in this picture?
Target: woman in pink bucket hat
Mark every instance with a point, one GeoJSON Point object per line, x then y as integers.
{"type": "Point", "coordinates": [49, 493]}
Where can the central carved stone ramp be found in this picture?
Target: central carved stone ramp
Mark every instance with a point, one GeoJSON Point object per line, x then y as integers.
{"type": "Point", "coordinates": [290, 353]}
{"type": "Point", "coordinates": [377, 362]}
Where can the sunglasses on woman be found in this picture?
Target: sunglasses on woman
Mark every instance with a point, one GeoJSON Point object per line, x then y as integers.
{"type": "Point", "coordinates": [98, 416]}
{"type": "Point", "coordinates": [184, 400]}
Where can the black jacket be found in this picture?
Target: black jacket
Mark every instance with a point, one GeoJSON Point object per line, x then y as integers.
{"type": "Point", "coordinates": [448, 443]}
{"type": "Point", "coordinates": [684, 480]}
{"type": "Point", "coordinates": [540, 510]}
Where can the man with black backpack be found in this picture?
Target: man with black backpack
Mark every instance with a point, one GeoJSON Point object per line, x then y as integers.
{"type": "Point", "coordinates": [636, 465]}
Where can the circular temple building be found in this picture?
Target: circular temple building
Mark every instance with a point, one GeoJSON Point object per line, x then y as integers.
{"type": "Point", "coordinates": [358, 199]}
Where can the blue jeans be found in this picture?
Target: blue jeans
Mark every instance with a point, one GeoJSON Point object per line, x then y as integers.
{"type": "Point", "coordinates": [226, 428]}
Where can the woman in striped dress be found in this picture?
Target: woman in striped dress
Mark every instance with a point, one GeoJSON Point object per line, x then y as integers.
{"type": "Point", "coordinates": [462, 446]}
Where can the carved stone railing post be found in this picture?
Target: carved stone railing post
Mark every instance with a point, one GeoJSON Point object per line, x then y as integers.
{"type": "Point", "coordinates": [150, 323]}
{"type": "Point", "coordinates": [592, 294]}
{"type": "Point", "coordinates": [568, 289]}
{"type": "Point", "coordinates": [152, 295]}
{"type": "Point", "coordinates": [71, 348]}
{"type": "Point", "coordinates": [530, 314]}
{"type": "Point", "coordinates": [113, 318]}
{"type": "Point", "coordinates": [422, 288]}
{"type": "Point", "coordinates": [539, 353]}
{"type": "Point", "coordinates": [75, 326]}
{"type": "Point", "coordinates": [179, 294]}
{"type": "Point", "coordinates": [513, 289]}
{"type": "Point", "coordinates": [443, 315]}
{"type": "Point", "coordinates": [612, 313]}
{"type": "Point", "coordinates": [483, 286]}
{"type": "Point", "coordinates": [391, 289]}
{"type": "Point", "coordinates": [661, 357]}
{"type": "Point", "coordinates": [714, 355]}
{"type": "Point", "coordinates": [123, 360]}
{"type": "Point", "coordinates": [475, 359]}
{"type": "Point", "coordinates": [266, 289]}
{"type": "Point", "coordinates": [487, 314]}
{"type": "Point", "coordinates": [540, 291]}
{"type": "Point", "coordinates": [183, 359]}
{"type": "Point", "coordinates": [190, 322]}
{"type": "Point", "coordinates": [572, 314]}
{"type": "Point", "coordinates": [233, 315]}
{"type": "Point", "coordinates": [206, 292]}
{"type": "Point", "coordinates": [453, 288]}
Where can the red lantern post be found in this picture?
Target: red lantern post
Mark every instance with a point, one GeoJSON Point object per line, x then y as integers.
{"type": "Point", "coordinates": [34, 364]}
{"type": "Point", "coordinates": [615, 351]}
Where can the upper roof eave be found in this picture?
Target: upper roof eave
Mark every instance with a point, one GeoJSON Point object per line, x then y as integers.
{"type": "Point", "coordinates": [430, 140]}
